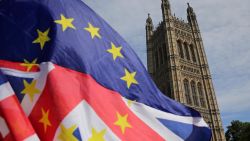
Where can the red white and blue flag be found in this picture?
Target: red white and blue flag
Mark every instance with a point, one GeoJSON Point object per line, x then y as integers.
{"type": "Point", "coordinates": [65, 74]}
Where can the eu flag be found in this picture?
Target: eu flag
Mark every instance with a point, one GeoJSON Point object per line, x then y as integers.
{"type": "Point", "coordinates": [67, 75]}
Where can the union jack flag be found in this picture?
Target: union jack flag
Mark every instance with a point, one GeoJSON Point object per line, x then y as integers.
{"type": "Point", "coordinates": [65, 74]}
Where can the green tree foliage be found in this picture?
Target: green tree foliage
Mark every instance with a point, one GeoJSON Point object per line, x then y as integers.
{"type": "Point", "coordinates": [238, 131]}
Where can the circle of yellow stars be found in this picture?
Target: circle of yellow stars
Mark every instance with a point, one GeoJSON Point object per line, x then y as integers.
{"type": "Point", "coordinates": [67, 23]}
{"type": "Point", "coordinates": [31, 90]}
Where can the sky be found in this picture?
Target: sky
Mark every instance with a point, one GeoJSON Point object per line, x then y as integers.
{"type": "Point", "coordinates": [225, 28]}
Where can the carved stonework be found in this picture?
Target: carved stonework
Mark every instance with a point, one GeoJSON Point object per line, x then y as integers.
{"type": "Point", "coordinates": [177, 63]}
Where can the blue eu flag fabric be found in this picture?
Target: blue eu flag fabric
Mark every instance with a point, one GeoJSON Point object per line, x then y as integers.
{"type": "Point", "coordinates": [70, 34]}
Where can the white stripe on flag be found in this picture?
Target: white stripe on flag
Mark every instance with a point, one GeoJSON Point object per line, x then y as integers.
{"type": "Point", "coordinates": [149, 115]}
{"type": "Point", "coordinates": [18, 73]}
{"type": "Point", "coordinates": [197, 121]}
{"type": "Point", "coordinates": [4, 130]}
{"type": "Point", "coordinates": [41, 78]}
{"type": "Point", "coordinates": [84, 117]}
{"type": "Point", "coordinates": [5, 91]}
{"type": "Point", "coordinates": [149, 118]}
{"type": "Point", "coordinates": [34, 137]}
{"type": "Point", "coordinates": [27, 104]}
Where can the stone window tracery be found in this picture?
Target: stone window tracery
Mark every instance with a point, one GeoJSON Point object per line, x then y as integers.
{"type": "Point", "coordinates": [180, 50]}
{"type": "Point", "coordinates": [187, 92]}
{"type": "Point", "coordinates": [193, 53]}
{"type": "Point", "coordinates": [201, 95]}
{"type": "Point", "coordinates": [186, 51]}
{"type": "Point", "coordinates": [194, 94]}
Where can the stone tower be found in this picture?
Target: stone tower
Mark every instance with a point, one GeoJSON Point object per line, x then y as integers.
{"type": "Point", "coordinates": [178, 64]}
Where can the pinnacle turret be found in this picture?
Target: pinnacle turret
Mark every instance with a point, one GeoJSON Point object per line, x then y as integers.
{"type": "Point", "coordinates": [191, 16]}
{"type": "Point", "coordinates": [149, 20]}
{"type": "Point", "coordinates": [166, 4]}
{"type": "Point", "coordinates": [149, 27]}
{"type": "Point", "coordinates": [190, 10]}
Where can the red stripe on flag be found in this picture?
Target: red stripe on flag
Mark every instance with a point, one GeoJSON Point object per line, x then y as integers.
{"type": "Point", "coordinates": [18, 124]}
{"type": "Point", "coordinates": [16, 66]}
{"type": "Point", "coordinates": [60, 96]}
{"type": "Point", "coordinates": [9, 137]}
{"type": "Point", "coordinates": [66, 88]}
{"type": "Point", "coordinates": [107, 104]}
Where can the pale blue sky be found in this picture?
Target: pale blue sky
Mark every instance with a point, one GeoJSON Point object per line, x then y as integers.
{"type": "Point", "coordinates": [225, 28]}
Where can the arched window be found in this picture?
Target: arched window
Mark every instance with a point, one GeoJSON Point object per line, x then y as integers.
{"type": "Point", "coordinates": [187, 92]}
{"type": "Point", "coordinates": [194, 94]}
{"type": "Point", "coordinates": [193, 53]}
{"type": "Point", "coordinates": [186, 51]}
{"type": "Point", "coordinates": [202, 98]}
{"type": "Point", "coordinates": [180, 50]}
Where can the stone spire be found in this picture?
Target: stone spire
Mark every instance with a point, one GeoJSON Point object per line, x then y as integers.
{"type": "Point", "coordinates": [190, 13]}
{"type": "Point", "coordinates": [149, 21]}
{"type": "Point", "coordinates": [166, 3]}
{"type": "Point", "coordinates": [149, 34]}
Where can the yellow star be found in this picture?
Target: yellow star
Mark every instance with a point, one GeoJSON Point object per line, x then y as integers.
{"type": "Point", "coordinates": [30, 89]}
{"type": "Point", "coordinates": [29, 65]}
{"type": "Point", "coordinates": [45, 119]}
{"type": "Point", "coordinates": [115, 51]}
{"type": "Point", "coordinates": [42, 38]}
{"type": "Point", "coordinates": [97, 136]}
{"type": "Point", "coordinates": [66, 23]}
{"type": "Point", "coordinates": [67, 133]}
{"type": "Point", "coordinates": [122, 122]}
{"type": "Point", "coordinates": [129, 78]}
{"type": "Point", "coordinates": [94, 31]}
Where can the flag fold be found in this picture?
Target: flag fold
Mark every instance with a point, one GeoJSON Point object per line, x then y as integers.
{"type": "Point", "coordinates": [65, 74]}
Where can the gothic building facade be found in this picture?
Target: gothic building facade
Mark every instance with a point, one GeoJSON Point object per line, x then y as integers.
{"type": "Point", "coordinates": [178, 64]}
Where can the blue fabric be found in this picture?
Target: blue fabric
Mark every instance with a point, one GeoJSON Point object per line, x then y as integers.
{"type": "Point", "coordinates": [18, 86]}
{"type": "Point", "coordinates": [187, 132]}
{"type": "Point", "coordinates": [77, 134]}
{"type": "Point", "coordinates": [2, 78]}
{"type": "Point", "coordinates": [75, 49]}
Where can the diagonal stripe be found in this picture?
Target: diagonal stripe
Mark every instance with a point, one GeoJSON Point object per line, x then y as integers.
{"type": "Point", "coordinates": [148, 117]}
{"type": "Point", "coordinates": [5, 91]}
{"type": "Point", "coordinates": [16, 66]}
{"type": "Point", "coordinates": [41, 76]}
{"type": "Point", "coordinates": [64, 94]}
{"type": "Point", "coordinates": [197, 121]}
{"type": "Point", "coordinates": [66, 88]}
{"type": "Point", "coordinates": [4, 130]}
{"type": "Point", "coordinates": [32, 138]}
{"type": "Point", "coordinates": [86, 119]}
{"type": "Point", "coordinates": [17, 73]}
{"type": "Point", "coordinates": [187, 132]}
{"type": "Point", "coordinates": [107, 103]}
{"type": "Point", "coordinates": [151, 116]}
{"type": "Point", "coordinates": [15, 118]}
